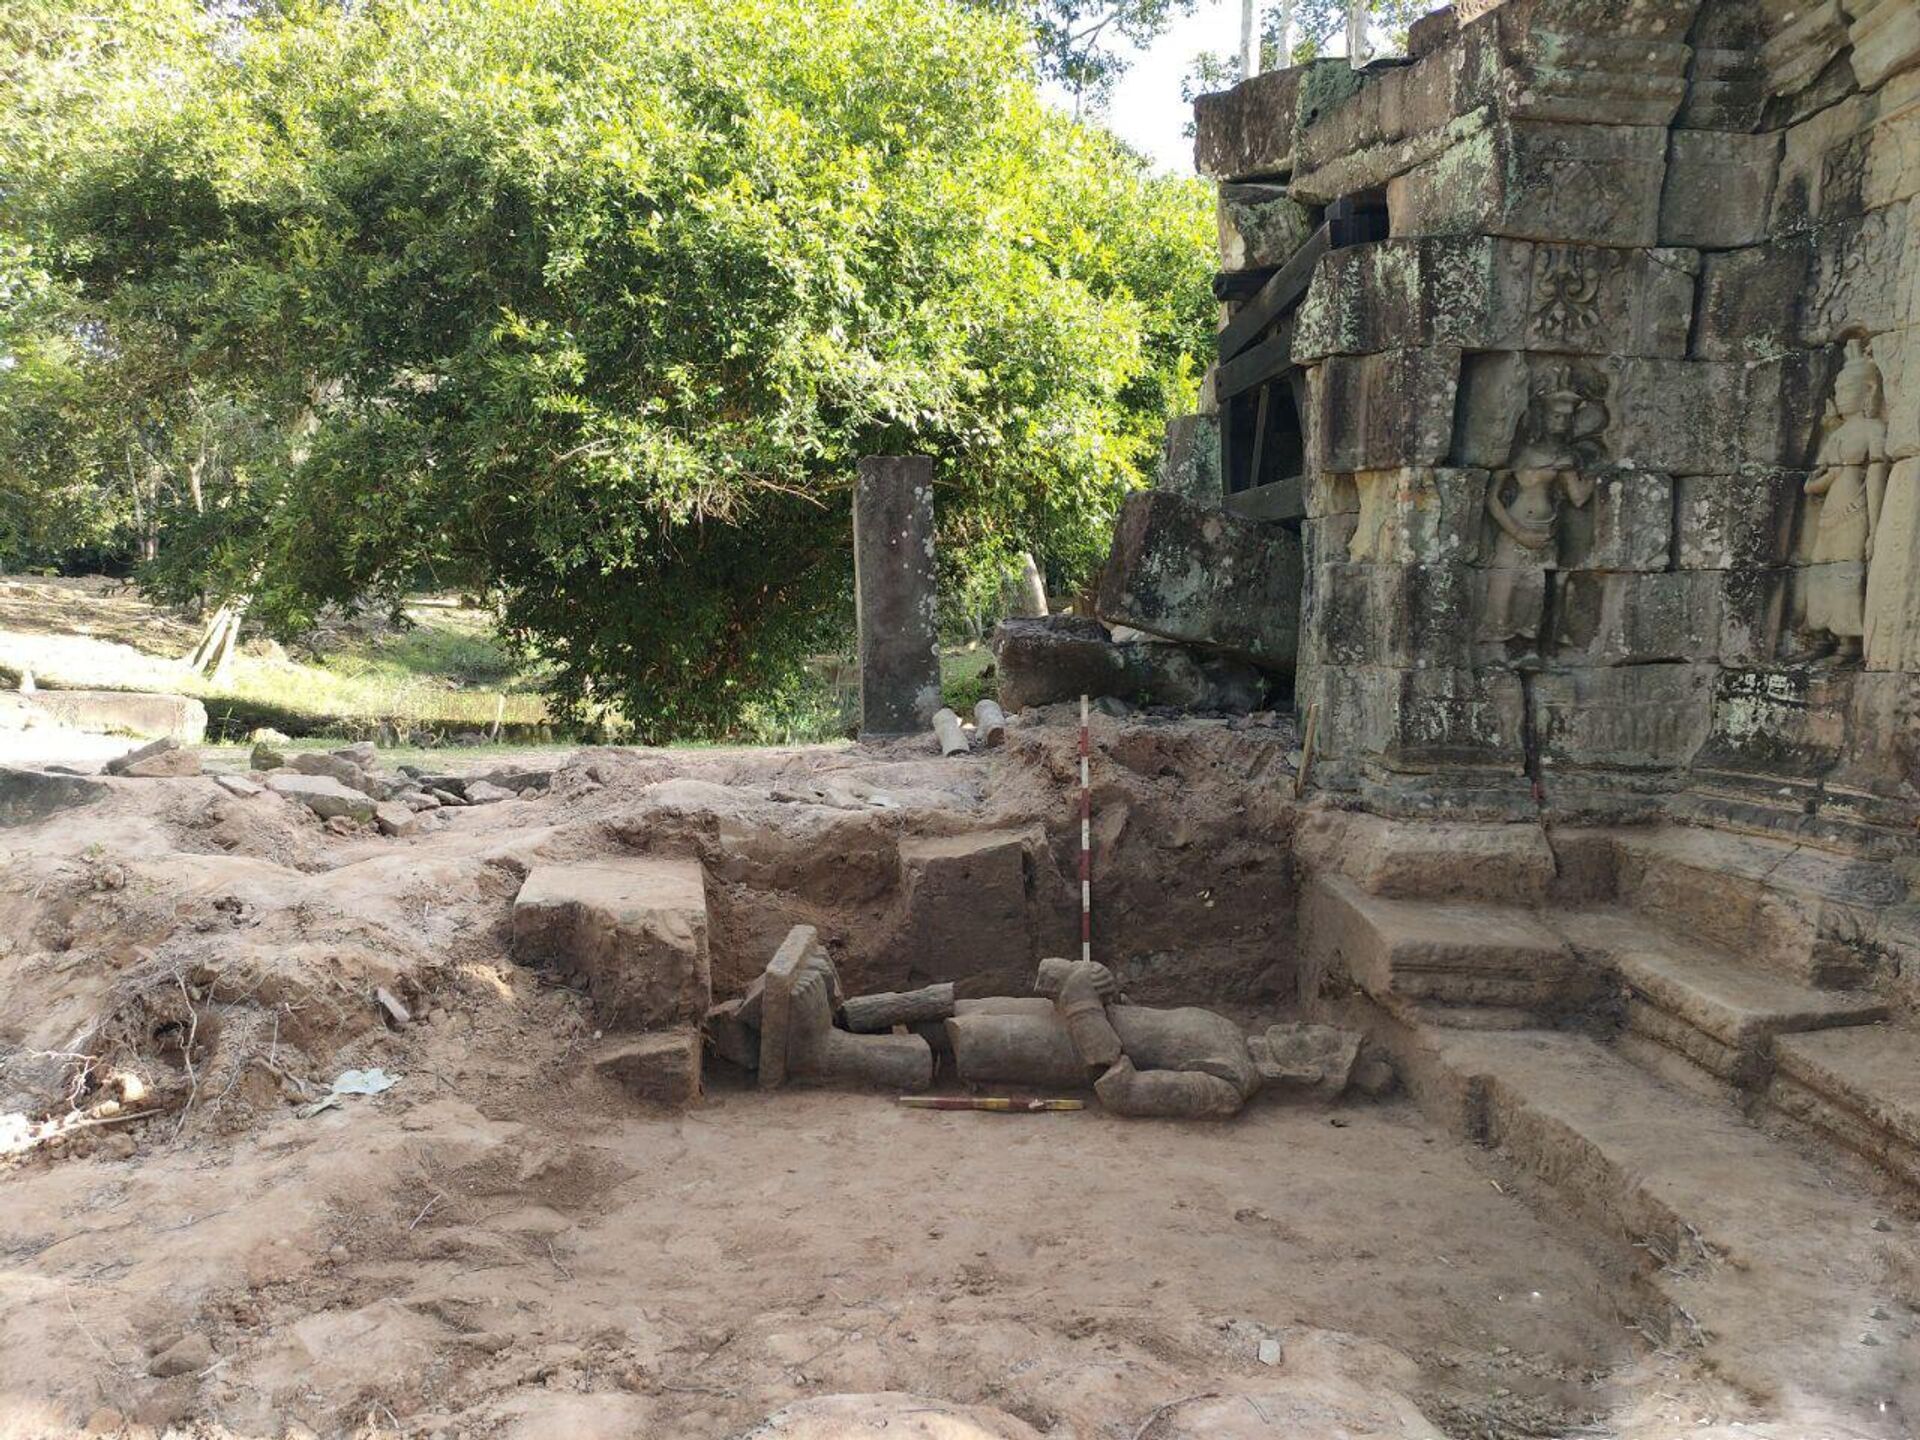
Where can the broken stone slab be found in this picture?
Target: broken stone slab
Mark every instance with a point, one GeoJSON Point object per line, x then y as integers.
{"type": "Point", "coordinates": [635, 930]}
{"type": "Point", "coordinates": [28, 796]}
{"type": "Point", "coordinates": [485, 792]}
{"type": "Point", "coordinates": [266, 756]}
{"type": "Point", "coordinates": [333, 767]}
{"type": "Point", "coordinates": [874, 1014]}
{"type": "Point", "coordinates": [163, 759]}
{"type": "Point", "coordinates": [1204, 577]}
{"type": "Point", "coordinates": [1305, 1056]}
{"type": "Point", "coordinates": [661, 1067]}
{"type": "Point", "coordinates": [125, 712]}
{"type": "Point", "coordinates": [798, 1040]}
{"type": "Point", "coordinates": [362, 753]}
{"type": "Point", "coordinates": [322, 794]}
{"type": "Point", "coordinates": [237, 786]}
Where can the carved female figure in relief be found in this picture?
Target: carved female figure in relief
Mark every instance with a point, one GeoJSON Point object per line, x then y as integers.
{"type": "Point", "coordinates": [1546, 465]}
{"type": "Point", "coordinates": [1850, 480]}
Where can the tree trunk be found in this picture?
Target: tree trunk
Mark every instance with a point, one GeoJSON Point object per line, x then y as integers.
{"type": "Point", "coordinates": [213, 655]}
{"type": "Point", "coordinates": [1249, 40]}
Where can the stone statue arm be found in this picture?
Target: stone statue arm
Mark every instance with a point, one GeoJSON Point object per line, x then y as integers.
{"type": "Point", "coordinates": [1497, 508]}
{"type": "Point", "coordinates": [1820, 481]}
{"type": "Point", "coordinates": [1579, 488]}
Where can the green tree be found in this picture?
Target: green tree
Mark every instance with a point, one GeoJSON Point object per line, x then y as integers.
{"type": "Point", "coordinates": [595, 306]}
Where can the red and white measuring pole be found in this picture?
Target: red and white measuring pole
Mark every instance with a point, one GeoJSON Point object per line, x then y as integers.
{"type": "Point", "coordinates": [1086, 838]}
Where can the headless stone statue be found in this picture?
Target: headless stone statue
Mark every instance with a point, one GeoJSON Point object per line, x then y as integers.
{"type": "Point", "coordinates": [1524, 502]}
{"type": "Point", "coordinates": [1850, 482]}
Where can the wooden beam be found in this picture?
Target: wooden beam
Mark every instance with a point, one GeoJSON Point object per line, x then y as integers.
{"type": "Point", "coordinates": [1259, 436]}
{"type": "Point", "coordinates": [1241, 284]}
{"type": "Point", "coordinates": [1260, 364]}
{"type": "Point", "coordinates": [1276, 297]}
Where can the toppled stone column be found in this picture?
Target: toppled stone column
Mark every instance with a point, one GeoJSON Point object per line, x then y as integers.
{"type": "Point", "coordinates": [896, 594]}
{"type": "Point", "coordinates": [874, 1014]}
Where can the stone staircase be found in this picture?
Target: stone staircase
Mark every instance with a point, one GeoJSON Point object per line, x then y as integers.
{"type": "Point", "coordinates": [1676, 1034]}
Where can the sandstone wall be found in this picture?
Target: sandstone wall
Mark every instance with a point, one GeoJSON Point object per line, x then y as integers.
{"type": "Point", "coordinates": [1648, 303]}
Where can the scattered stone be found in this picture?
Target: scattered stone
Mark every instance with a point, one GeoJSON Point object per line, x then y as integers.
{"type": "Point", "coordinates": [267, 735]}
{"type": "Point", "coordinates": [188, 1356]}
{"type": "Point", "coordinates": [27, 796]}
{"type": "Point", "coordinates": [236, 785]}
{"type": "Point", "coordinates": [946, 729]}
{"type": "Point", "coordinates": [106, 1421]}
{"type": "Point", "coordinates": [162, 759]}
{"type": "Point", "coordinates": [340, 825]}
{"type": "Point", "coordinates": [446, 797]}
{"type": "Point", "coordinates": [124, 712]}
{"type": "Point", "coordinates": [266, 756]}
{"type": "Point", "coordinates": [326, 797]}
{"type": "Point", "coordinates": [1311, 1057]}
{"type": "Point", "coordinates": [363, 754]}
{"type": "Point", "coordinates": [662, 1068]}
{"type": "Point", "coordinates": [309, 762]}
{"type": "Point", "coordinates": [391, 1005]}
{"type": "Point", "coordinates": [419, 800]}
{"type": "Point", "coordinates": [1269, 1351]}
{"type": "Point", "coordinates": [397, 820]}
{"type": "Point", "coordinates": [990, 723]}
{"type": "Point", "coordinates": [485, 792]}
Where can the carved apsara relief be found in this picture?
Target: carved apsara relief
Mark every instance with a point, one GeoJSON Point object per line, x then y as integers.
{"type": "Point", "coordinates": [1845, 495]}
{"type": "Point", "coordinates": [1557, 445]}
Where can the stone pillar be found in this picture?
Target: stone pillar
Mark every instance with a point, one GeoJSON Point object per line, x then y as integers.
{"type": "Point", "coordinates": [896, 593]}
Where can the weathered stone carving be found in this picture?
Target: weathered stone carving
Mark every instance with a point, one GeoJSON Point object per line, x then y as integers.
{"type": "Point", "coordinates": [1556, 441]}
{"type": "Point", "coordinates": [1845, 493]}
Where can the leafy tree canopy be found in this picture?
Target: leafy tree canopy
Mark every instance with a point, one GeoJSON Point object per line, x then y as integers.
{"type": "Point", "coordinates": [593, 305]}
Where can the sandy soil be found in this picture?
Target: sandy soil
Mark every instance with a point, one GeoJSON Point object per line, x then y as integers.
{"type": "Point", "coordinates": [504, 1245]}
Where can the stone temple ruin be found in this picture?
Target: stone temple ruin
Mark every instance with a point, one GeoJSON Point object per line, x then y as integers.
{"type": "Point", "coordinates": [1508, 698]}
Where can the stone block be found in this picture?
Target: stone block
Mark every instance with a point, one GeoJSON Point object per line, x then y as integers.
{"type": "Point", "coordinates": [1411, 616]}
{"type": "Point", "coordinates": [1362, 139]}
{"type": "Point", "coordinates": [1048, 660]}
{"type": "Point", "coordinates": [1627, 525]}
{"type": "Point", "coordinates": [1594, 65]}
{"type": "Point", "coordinates": [322, 794]}
{"type": "Point", "coordinates": [1382, 411]}
{"type": "Point", "coordinates": [125, 712]}
{"type": "Point", "coordinates": [896, 589]}
{"type": "Point", "coordinates": [1778, 721]}
{"type": "Point", "coordinates": [1417, 515]}
{"type": "Point", "coordinates": [661, 1068]}
{"type": "Point", "coordinates": [1419, 719]}
{"type": "Point", "coordinates": [966, 901]}
{"type": "Point", "coordinates": [1885, 35]}
{"type": "Point", "coordinates": [1893, 579]}
{"type": "Point", "coordinates": [1247, 133]}
{"type": "Point", "coordinates": [1533, 180]}
{"type": "Point", "coordinates": [1629, 717]}
{"type": "Point", "coordinates": [1821, 174]}
{"type": "Point", "coordinates": [1741, 521]}
{"type": "Point", "coordinates": [1260, 226]}
{"type": "Point", "coordinates": [1190, 459]}
{"type": "Point", "coordinates": [1198, 575]}
{"type": "Point", "coordinates": [1635, 619]}
{"type": "Point", "coordinates": [1881, 752]}
{"type": "Point", "coordinates": [635, 930]}
{"type": "Point", "coordinates": [1719, 189]}
{"type": "Point", "coordinates": [162, 759]}
{"type": "Point", "coordinates": [1727, 84]}
{"type": "Point", "coordinates": [1803, 37]}
{"type": "Point", "coordinates": [1892, 168]}
{"type": "Point", "coordinates": [30, 796]}
{"type": "Point", "coordinates": [1483, 293]}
